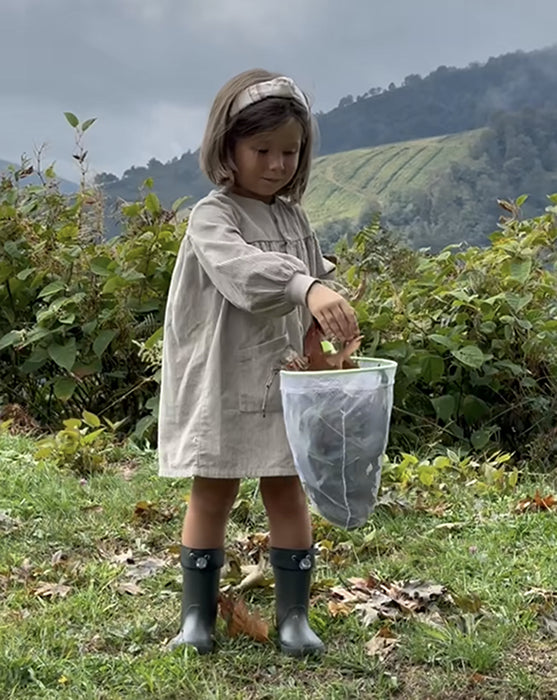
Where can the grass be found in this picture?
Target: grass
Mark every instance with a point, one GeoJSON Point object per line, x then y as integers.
{"type": "Point", "coordinates": [343, 184]}
{"type": "Point", "coordinates": [102, 640]}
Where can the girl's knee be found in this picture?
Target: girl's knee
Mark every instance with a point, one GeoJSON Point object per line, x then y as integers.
{"type": "Point", "coordinates": [215, 495]}
{"type": "Point", "coordinates": [284, 494]}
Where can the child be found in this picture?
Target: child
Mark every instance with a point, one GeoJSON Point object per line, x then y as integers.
{"type": "Point", "coordinates": [243, 292]}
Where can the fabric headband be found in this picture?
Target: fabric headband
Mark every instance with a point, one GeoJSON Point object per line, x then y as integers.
{"type": "Point", "coordinates": [277, 87]}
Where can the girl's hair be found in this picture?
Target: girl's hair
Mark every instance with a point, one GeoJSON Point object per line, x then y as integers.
{"type": "Point", "coordinates": [222, 131]}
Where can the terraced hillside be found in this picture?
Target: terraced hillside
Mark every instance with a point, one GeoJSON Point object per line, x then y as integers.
{"type": "Point", "coordinates": [343, 184]}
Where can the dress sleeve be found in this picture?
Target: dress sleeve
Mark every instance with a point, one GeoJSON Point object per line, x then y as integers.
{"type": "Point", "coordinates": [257, 281]}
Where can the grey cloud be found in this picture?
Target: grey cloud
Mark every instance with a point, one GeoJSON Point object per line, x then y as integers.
{"type": "Point", "coordinates": [149, 69]}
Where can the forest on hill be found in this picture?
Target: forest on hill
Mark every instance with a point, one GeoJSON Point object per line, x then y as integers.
{"type": "Point", "coordinates": [511, 104]}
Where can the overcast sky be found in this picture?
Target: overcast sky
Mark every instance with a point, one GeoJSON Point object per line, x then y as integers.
{"type": "Point", "coordinates": [148, 69]}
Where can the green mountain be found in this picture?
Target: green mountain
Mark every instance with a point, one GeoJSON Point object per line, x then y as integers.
{"type": "Point", "coordinates": [352, 183]}
{"type": "Point", "coordinates": [448, 145]}
{"type": "Point", "coordinates": [440, 190]}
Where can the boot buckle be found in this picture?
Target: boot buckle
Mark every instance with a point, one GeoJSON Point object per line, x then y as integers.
{"type": "Point", "coordinates": [305, 563]}
{"type": "Point", "coordinates": [201, 562]}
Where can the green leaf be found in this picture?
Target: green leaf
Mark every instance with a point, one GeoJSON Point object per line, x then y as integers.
{"type": "Point", "coordinates": [24, 274]}
{"type": "Point", "coordinates": [432, 367]}
{"type": "Point", "coordinates": [152, 203]}
{"type": "Point", "coordinates": [471, 356]}
{"type": "Point", "coordinates": [91, 437]}
{"type": "Point", "coordinates": [479, 439]}
{"type": "Point", "coordinates": [72, 423]}
{"type": "Point", "coordinates": [154, 339]}
{"type": "Point", "coordinates": [473, 409]}
{"type": "Point", "coordinates": [63, 355]}
{"type": "Point", "coordinates": [64, 387]}
{"type": "Point", "coordinates": [520, 270]}
{"type": "Point", "coordinates": [518, 301]}
{"type": "Point", "coordinates": [443, 340]}
{"type": "Point", "coordinates": [520, 200]}
{"type": "Point", "coordinates": [91, 419]}
{"type": "Point", "coordinates": [102, 341]}
{"type": "Point", "coordinates": [51, 289]}
{"type": "Point", "coordinates": [72, 119]}
{"type": "Point", "coordinates": [87, 123]}
{"type": "Point", "coordinates": [148, 183]}
{"type": "Point", "coordinates": [445, 407]}
{"type": "Point", "coordinates": [100, 264]}
{"type": "Point", "coordinates": [10, 339]}
{"type": "Point", "coordinates": [178, 202]}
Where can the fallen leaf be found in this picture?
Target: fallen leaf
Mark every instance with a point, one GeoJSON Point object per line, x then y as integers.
{"type": "Point", "coordinates": [536, 503]}
{"type": "Point", "coordinates": [123, 558]}
{"type": "Point", "coordinates": [382, 644]}
{"type": "Point", "coordinates": [338, 609]}
{"type": "Point", "coordinates": [129, 587]}
{"type": "Point", "coordinates": [254, 577]}
{"type": "Point", "coordinates": [240, 621]}
{"type": "Point", "coordinates": [149, 512]}
{"type": "Point", "coordinates": [52, 590]}
{"type": "Point", "coordinates": [59, 558]}
{"type": "Point", "coordinates": [144, 568]}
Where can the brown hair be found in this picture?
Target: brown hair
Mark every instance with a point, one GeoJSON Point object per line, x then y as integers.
{"type": "Point", "coordinates": [222, 132]}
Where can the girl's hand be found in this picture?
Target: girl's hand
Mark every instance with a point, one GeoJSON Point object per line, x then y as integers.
{"type": "Point", "coordinates": [333, 313]}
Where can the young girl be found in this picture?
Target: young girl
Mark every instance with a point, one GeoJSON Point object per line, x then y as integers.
{"type": "Point", "coordinates": [243, 292]}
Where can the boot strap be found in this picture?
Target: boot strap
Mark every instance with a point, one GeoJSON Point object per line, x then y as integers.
{"type": "Point", "coordinates": [202, 559]}
{"type": "Point", "coordinates": [293, 559]}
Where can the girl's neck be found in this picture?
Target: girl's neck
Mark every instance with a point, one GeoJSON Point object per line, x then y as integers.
{"type": "Point", "coordinates": [249, 195]}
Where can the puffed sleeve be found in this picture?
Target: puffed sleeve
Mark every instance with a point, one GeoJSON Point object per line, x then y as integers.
{"type": "Point", "coordinates": [257, 281]}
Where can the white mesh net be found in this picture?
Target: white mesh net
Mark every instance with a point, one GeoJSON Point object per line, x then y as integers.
{"type": "Point", "coordinates": [337, 425]}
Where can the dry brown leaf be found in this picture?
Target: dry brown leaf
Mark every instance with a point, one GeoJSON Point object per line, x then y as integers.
{"type": "Point", "coordinates": [382, 644]}
{"type": "Point", "coordinates": [59, 558]}
{"type": "Point", "coordinates": [7, 523]}
{"type": "Point", "coordinates": [240, 621]}
{"type": "Point", "coordinates": [52, 590]}
{"type": "Point", "coordinates": [338, 609]}
{"type": "Point", "coordinates": [254, 577]}
{"type": "Point", "coordinates": [536, 503]}
{"type": "Point", "coordinates": [129, 587]}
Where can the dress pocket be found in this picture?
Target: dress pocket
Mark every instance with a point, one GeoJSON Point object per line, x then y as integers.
{"type": "Point", "coordinates": [259, 366]}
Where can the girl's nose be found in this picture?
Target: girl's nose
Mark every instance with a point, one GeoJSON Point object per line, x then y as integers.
{"type": "Point", "coordinates": [276, 161]}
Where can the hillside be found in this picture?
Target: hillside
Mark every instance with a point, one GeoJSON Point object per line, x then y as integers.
{"type": "Point", "coordinates": [448, 100]}
{"type": "Point", "coordinates": [441, 190]}
{"type": "Point", "coordinates": [354, 182]}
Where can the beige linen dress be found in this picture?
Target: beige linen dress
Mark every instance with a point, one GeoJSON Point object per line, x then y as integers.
{"type": "Point", "coordinates": [236, 305]}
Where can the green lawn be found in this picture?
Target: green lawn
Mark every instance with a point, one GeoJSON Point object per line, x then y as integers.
{"type": "Point", "coordinates": [90, 592]}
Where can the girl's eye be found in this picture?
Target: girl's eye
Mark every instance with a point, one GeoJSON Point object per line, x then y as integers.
{"type": "Point", "coordinates": [263, 150]}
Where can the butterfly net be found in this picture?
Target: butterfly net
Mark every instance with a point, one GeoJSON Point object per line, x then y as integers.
{"type": "Point", "coordinates": [337, 423]}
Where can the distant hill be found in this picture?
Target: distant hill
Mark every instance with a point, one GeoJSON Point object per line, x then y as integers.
{"type": "Point", "coordinates": [66, 186]}
{"type": "Point", "coordinates": [496, 107]}
{"type": "Point", "coordinates": [447, 101]}
{"type": "Point", "coordinates": [352, 183]}
{"type": "Point", "coordinates": [441, 190]}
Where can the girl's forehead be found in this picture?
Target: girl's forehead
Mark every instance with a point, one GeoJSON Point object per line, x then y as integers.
{"type": "Point", "coordinates": [290, 130]}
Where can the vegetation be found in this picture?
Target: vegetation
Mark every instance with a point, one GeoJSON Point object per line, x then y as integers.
{"type": "Point", "coordinates": [447, 591]}
{"type": "Point", "coordinates": [90, 587]}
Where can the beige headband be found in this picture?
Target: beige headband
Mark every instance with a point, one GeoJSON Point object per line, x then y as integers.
{"type": "Point", "coordinates": [277, 87]}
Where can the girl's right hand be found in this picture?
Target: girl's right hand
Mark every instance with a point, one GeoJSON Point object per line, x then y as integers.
{"type": "Point", "coordinates": [333, 313]}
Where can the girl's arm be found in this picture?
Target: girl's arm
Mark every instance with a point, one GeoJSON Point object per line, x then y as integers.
{"type": "Point", "coordinates": [257, 281]}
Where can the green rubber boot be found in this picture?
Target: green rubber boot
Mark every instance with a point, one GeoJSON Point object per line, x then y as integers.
{"type": "Point", "coordinates": [292, 569]}
{"type": "Point", "coordinates": [200, 592]}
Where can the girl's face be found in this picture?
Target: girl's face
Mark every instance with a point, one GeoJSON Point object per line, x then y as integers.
{"type": "Point", "coordinates": [267, 161]}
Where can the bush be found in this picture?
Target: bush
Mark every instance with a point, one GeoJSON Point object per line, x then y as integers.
{"type": "Point", "coordinates": [473, 330]}
{"type": "Point", "coordinates": [73, 307]}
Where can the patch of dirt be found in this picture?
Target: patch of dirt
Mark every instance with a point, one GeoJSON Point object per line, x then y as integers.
{"type": "Point", "coordinates": [18, 420]}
